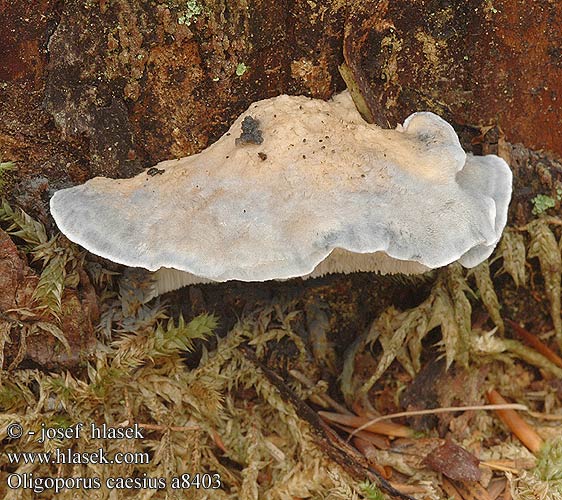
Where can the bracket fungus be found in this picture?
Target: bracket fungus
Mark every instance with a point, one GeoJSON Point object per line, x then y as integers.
{"type": "Point", "coordinates": [323, 192]}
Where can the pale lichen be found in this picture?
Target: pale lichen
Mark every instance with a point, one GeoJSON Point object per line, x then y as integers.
{"type": "Point", "coordinates": [541, 203]}
{"type": "Point", "coordinates": [241, 69]}
{"type": "Point", "coordinates": [191, 11]}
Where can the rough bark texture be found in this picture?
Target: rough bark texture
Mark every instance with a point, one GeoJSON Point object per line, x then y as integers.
{"type": "Point", "coordinates": [476, 63]}
{"type": "Point", "coordinates": [109, 86]}
{"type": "Point", "coordinates": [115, 86]}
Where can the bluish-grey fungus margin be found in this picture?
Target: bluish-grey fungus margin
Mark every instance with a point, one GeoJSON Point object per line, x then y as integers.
{"type": "Point", "coordinates": [325, 192]}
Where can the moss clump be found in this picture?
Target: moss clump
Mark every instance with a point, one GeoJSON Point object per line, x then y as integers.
{"type": "Point", "coordinates": [549, 465]}
{"type": "Point", "coordinates": [371, 491]}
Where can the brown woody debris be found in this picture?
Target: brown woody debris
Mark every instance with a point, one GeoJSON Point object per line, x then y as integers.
{"type": "Point", "coordinates": [454, 462]}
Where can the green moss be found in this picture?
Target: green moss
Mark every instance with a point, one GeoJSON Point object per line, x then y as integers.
{"type": "Point", "coordinates": [541, 203]}
{"type": "Point", "coordinates": [549, 464]}
{"type": "Point", "coordinates": [371, 491]}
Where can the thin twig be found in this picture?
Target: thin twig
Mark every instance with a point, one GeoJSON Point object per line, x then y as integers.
{"type": "Point", "coordinates": [545, 416]}
{"type": "Point", "coordinates": [449, 409]}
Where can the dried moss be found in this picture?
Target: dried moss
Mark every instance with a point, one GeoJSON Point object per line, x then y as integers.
{"type": "Point", "coordinates": [224, 416]}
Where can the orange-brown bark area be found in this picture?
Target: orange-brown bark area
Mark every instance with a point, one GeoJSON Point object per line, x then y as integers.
{"type": "Point", "coordinates": [476, 63]}
{"type": "Point", "coordinates": [108, 87]}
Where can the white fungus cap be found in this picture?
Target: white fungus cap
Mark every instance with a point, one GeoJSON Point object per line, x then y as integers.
{"type": "Point", "coordinates": [324, 192]}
